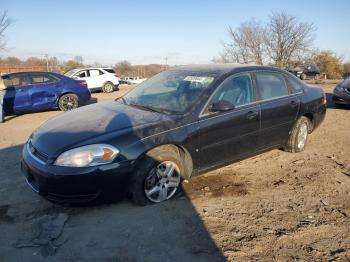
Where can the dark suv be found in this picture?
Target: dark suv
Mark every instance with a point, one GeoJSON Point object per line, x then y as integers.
{"type": "Point", "coordinates": [306, 71]}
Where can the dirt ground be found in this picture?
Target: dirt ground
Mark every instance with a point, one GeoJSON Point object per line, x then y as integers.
{"type": "Point", "coordinates": [276, 206]}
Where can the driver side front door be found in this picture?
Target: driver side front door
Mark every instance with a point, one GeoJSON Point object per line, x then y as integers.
{"type": "Point", "coordinates": [17, 98]}
{"type": "Point", "coordinates": [227, 136]}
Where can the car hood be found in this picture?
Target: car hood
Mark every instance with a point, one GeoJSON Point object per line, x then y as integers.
{"type": "Point", "coordinates": [75, 127]}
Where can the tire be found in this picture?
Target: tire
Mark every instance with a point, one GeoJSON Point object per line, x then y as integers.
{"type": "Point", "coordinates": [68, 102]}
{"type": "Point", "coordinates": [149, 183]}
{"type": "Point", "coordinates": [298, 135]}
{"type": "Point", "coordinates": [302, 76]}
{"type": "Point", "coordinates": [108, 87]}
{"type": "Point", "coordinates": [317, 76]}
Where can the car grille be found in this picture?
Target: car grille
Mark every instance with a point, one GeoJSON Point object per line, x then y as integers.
{"type": "Point", "coordinates": [36, 153]}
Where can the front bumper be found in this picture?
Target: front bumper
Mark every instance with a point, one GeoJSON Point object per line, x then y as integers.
{"type": "Point", "coordinates": [69, 184]}
{"type": "Point", "coordinates": [343, 99]}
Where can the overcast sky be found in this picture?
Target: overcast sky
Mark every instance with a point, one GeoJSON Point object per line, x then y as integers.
{"type": "Point", "coordinates": [185, 31]}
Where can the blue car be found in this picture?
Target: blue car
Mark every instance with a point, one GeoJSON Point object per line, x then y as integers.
{"type": "Point", "coordinates": [38, 91]}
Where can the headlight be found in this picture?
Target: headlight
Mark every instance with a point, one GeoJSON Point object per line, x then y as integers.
{"type": "Point", "coordinates": [91, 155]}
{"type": "Point", "coordinates": [339, 88]}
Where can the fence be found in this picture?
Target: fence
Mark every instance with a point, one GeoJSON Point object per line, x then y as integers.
{"type": "Point", "coordinates": [15, 69]}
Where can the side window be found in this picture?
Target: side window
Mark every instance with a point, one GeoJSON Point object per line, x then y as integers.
{"type": "Point", "coordinates": [7, 81]}
{"type": "Point", "coordinates": [41, 79]}
{"type": "Point", "coordinates": [271, 85]}
{"type": "Point", "coordinates": [81, 74]}
{"type": "Point", "coordinates": [17, 80]}
{"type": "Point", "coordinates": [235, 89]}
{"type": "Point", "coordinates": [95, 72]}
{"type": "Point", "coordinates": [294, 84]}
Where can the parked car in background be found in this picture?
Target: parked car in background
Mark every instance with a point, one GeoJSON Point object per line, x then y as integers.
{"type": "Point", "coordinates": [38, 91]}
{"type": "Point", "coordinates": [341, 93]}
{"type": "Point", "coordinates": [104, 79]}
{"type": "Point", "coordinates": [132, 80]}
{"type": "Point", "coordinates": [306, 71]}
{"type": "Point", "coordinates": [179, 123]}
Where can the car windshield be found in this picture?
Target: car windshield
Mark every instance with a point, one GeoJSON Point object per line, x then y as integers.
{"type": "Point", "coordinates": [170, 91]}
{"type": "Point", "coordinates": [71, 72]}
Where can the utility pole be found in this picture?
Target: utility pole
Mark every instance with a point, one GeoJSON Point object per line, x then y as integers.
{"type": "Point", "coordinates": [166, 62]}
{"type": "Point", "coordinates": [47, 62]}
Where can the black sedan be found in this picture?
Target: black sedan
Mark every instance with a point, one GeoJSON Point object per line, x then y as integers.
{"type": "Point", "coordinates": [341, 93]}
{"type": "Point", "coordinates": [179, 123]}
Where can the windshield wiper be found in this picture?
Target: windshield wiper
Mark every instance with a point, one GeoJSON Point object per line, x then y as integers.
{"type": "Point", "coordinates": [121, 98]}
{"type": "Point", "coordinates": [148, 108]}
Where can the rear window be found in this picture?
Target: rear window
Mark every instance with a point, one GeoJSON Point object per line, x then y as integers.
{"type": "Point", "coordinates": [109, 70]}
{"type": "Point", "coordinates": [271, 85]}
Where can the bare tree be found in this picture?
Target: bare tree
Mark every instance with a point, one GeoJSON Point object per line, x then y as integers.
{"type": "Point", "coordinates": [5, 22]}
{"type": "Point", "coordinates": [247, 43]}
{"type": "Point", "coordinates": [286, 38]}
{"type": "Point", "coordinates": [123, 68]}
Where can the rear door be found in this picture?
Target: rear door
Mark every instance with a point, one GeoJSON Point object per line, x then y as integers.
{"type": "Point", "coordinates": [96, 78]}
{"type": "Point", "coordinates": [279, 108]}
{"type": "Point", "coordinates": [17, 99]}
{"type": "Point", "coordinates": [226, 136]}
{"type": "Point", "coordinates": [44, 90]}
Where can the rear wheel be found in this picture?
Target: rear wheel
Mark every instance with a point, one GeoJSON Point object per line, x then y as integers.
{"type": "Point", "coordinates": [108, 87]}
{"type": "Point", "coordinates": [158, 177]}
{"type": "Point", "coordinates": [68, 102]}
{"type": "Point", "coordinates": [298, 135]}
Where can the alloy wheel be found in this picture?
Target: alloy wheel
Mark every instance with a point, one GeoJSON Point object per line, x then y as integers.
{"type": "Point", "coordinates": [69, 103]}
{"type": "Point", "coordinates": [108, 88]}
{"type": "Point", "coordinates": [162, 182]}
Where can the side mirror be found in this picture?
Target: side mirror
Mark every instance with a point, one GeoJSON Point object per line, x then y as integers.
{"type": "Point", "coordinates": [221, 106]}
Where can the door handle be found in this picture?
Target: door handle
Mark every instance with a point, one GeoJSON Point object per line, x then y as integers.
{"type": "Point", "coordinates": [294, 103]}
{"type": "Point", "coordinates": [252, 115]}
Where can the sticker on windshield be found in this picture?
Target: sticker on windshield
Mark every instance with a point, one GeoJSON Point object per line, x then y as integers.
{"type": "Point", "coordinates": [200, 79]}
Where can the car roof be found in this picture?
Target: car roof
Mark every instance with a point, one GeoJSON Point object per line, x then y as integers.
{"type": "Point", "coordinates": [87, 68]}
{"type": "Point", "coordinates": [30, 72]}
{"type": "Point", "coordinates": [223, 68]}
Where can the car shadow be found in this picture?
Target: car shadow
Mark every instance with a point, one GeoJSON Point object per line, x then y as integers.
{"type": "Point", "coordinates": [93, 100]}
{"type": "Point", "coordinates": [112, 230]}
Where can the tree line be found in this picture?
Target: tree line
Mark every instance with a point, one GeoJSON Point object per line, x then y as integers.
{"type": "Point", "coordinates": [284, 41]}
{"type": "Point", "coordinates": [52, 64]}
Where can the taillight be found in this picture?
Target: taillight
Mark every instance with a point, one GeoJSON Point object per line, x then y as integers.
{"type": "Point", "coordinates": [83, 84]}
{"type": "Point", "coordinates": [324, 98]}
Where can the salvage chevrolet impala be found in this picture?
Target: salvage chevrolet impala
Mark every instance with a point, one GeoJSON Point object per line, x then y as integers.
{"type": "Point", "coordinates": [177, 124]}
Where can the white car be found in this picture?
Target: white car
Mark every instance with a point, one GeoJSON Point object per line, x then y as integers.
{"type": "Point", "coordinates": [134, 80]}
{"type": "Point", "coordinates": [97, 78]}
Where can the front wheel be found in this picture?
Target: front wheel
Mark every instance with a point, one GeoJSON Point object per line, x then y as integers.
{"type": "Point", "coordinates": [298, 135]}
{"type": "Point", "coordinates": [158, 177]}
{"type": "Point", "coordinates": [302, 76]}
{"type": "Point", "coordinates": [68, 102]}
